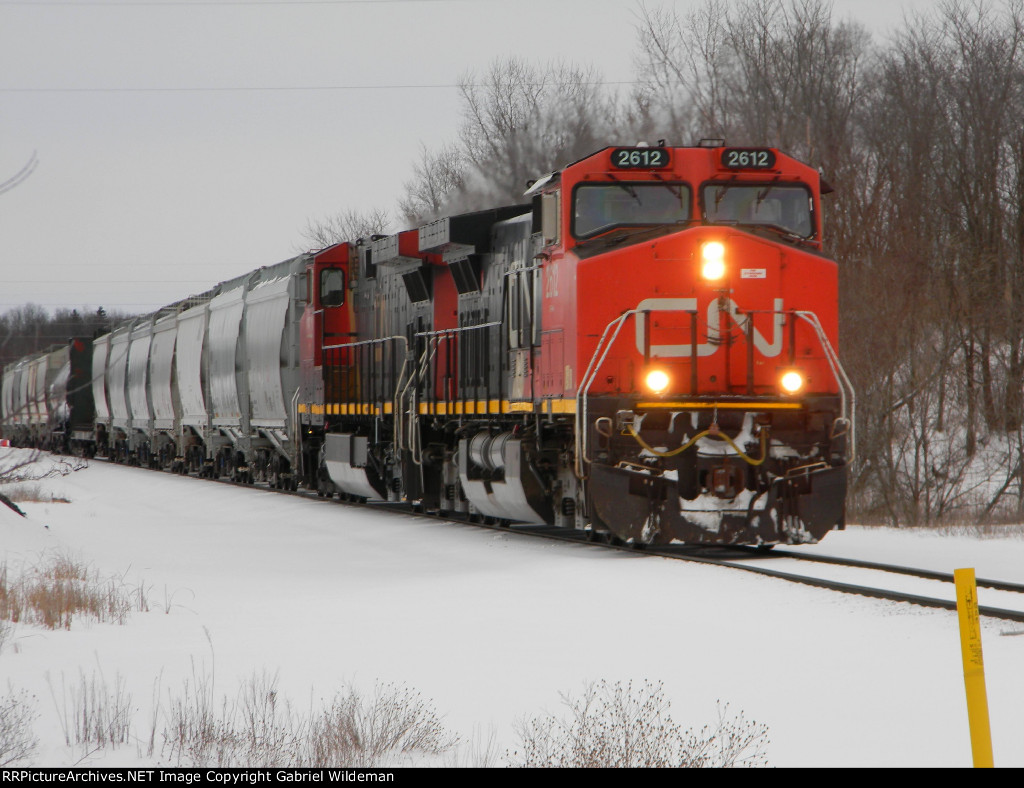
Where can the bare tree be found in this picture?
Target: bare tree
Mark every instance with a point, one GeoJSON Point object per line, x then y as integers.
{"type": "Point", "coordinates": [348, 225]}
{"type": "Point", "coordinates": [520, 121]}
{"type": "Point", "coordinates": [436, 177]}
{"type": "Point", "coordinates": [681, 63]}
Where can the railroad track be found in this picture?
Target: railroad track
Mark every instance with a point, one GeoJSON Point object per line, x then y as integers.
{"type": "Point", "coordinates": [749, 559]}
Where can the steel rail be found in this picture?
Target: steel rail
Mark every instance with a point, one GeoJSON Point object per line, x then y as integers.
{"type": "Point", "coordinates": [924, 574]}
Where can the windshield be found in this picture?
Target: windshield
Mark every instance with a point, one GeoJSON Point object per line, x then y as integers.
{"type": "Point", "coordinates": [600, 207]}
{"type": "Point", "coordinates": [785, 207]}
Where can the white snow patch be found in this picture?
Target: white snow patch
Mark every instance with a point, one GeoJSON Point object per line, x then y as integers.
{"type": "Point", "coordinates": [321, 593]}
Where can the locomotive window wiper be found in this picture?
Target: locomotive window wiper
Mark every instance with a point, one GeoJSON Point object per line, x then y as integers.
{"type": "Point", "coordinates": [676, 191]}
{"type": "Point", "coordinates": [625, 187]}
{"type": "Point", "coordinates": [784, 207]}
{"type": "Point", "coordinates": [785, 232]}
{"type": "Point", "coordinates": [622, 234]}
{"type": "Point", "coordinates": [601, 207]}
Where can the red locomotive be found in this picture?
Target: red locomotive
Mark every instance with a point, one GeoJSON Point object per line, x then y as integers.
{"type": "Point", "coordinates": [646, 351]}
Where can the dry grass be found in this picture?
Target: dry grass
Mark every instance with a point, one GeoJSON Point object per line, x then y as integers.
{"type": "Point", "coordinates": [92, 713]}
{"type": "Point", "coordinates": [609, 725]}
{"type": "Point", "coordinates": [392, 726]}
{"type": "Point", "coordinates": [31, 492]}
{"type": "Point", "coordinates": [616, 726]}
{"type": "Point", "coordinates": [255, 731]}
{"type": "Point", "coordinates": [60, 589]}
{"type": "Point", "coordinates": [394, 723]}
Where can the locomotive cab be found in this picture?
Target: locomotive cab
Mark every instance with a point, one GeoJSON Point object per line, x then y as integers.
{"type": "Point", "coordinates": [701, 314]}
{"type": "Point", "coordinates": [326, 322]}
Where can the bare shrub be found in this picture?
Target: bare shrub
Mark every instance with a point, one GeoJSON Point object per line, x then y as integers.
{"type": "Point", "coordinates": [358, 731]}
{"type": "Point", "coordinates": [732, 742]}
{"type": "Point", "coordinates": [611, 725]}
{"type": "Point", "coordinates": [976, 530]}
{"type": "Point", "coordinates": [55, 592]}
{"type": "Point", "coordinates": [21, 466]}
{"type": "Point", "coordinates": [270, 733]}
{"type": "Point", "coordinates": [17, 742]}
{"type": "Point", "coordinates": [93, 713]}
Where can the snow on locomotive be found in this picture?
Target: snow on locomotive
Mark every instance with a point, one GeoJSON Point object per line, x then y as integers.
{"type": "Point", "coordinates": [646, 351]}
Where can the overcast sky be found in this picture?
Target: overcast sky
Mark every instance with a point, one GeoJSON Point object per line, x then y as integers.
{"type": "Point", "coordinates": [183, 142]}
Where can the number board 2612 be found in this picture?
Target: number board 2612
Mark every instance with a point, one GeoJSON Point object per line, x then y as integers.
{"type": "Point", "coordinates": [748, 159]}
{"type": "Point", "coordinates": [640, 158]}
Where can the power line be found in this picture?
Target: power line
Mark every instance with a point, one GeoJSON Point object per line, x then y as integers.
{"type": "Point", "coordinates": [284, 88]}
{"type": "Point", "coordinates": [105, 281]}
{"type": "Point", "coordinates": [184, 3]}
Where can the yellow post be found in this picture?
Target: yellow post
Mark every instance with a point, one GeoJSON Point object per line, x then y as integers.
{"type": "Point", "coordinates": [974, 667]}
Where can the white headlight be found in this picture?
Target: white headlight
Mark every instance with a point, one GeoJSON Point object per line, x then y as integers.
{"type": "Point", "coordinates": [657, 381]}
{"type": "Point", "coordinates": [792, 382]}
{"type": "Point", "coordinates": [713, 255]}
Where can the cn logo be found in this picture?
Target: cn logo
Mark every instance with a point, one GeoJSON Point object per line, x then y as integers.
{"type": "Point", "coordinates": [713, 338]}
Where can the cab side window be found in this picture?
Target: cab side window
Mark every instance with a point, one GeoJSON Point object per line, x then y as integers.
{"type": "Point", "coordinates": [332, 287]}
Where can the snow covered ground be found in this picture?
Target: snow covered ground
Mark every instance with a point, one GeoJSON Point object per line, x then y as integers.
{"type": "Point", "coordinates": [492, 626]}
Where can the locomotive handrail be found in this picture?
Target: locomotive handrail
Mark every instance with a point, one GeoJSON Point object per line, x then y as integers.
{"type": "Point", "coordinates": [297, 433]}
{"type": "Point", "coordinates": [440, 331]}
{"type": "Point", "coordinates": [401, 375]}
{"type": "Point", "coordinates": [424, 362]}
{"type": "Point", "coordinates": [433, 340]}
{"type": "Point", "coordinates": [841, 378]}
{"type": "Point", "coordinates": [588, 379]}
